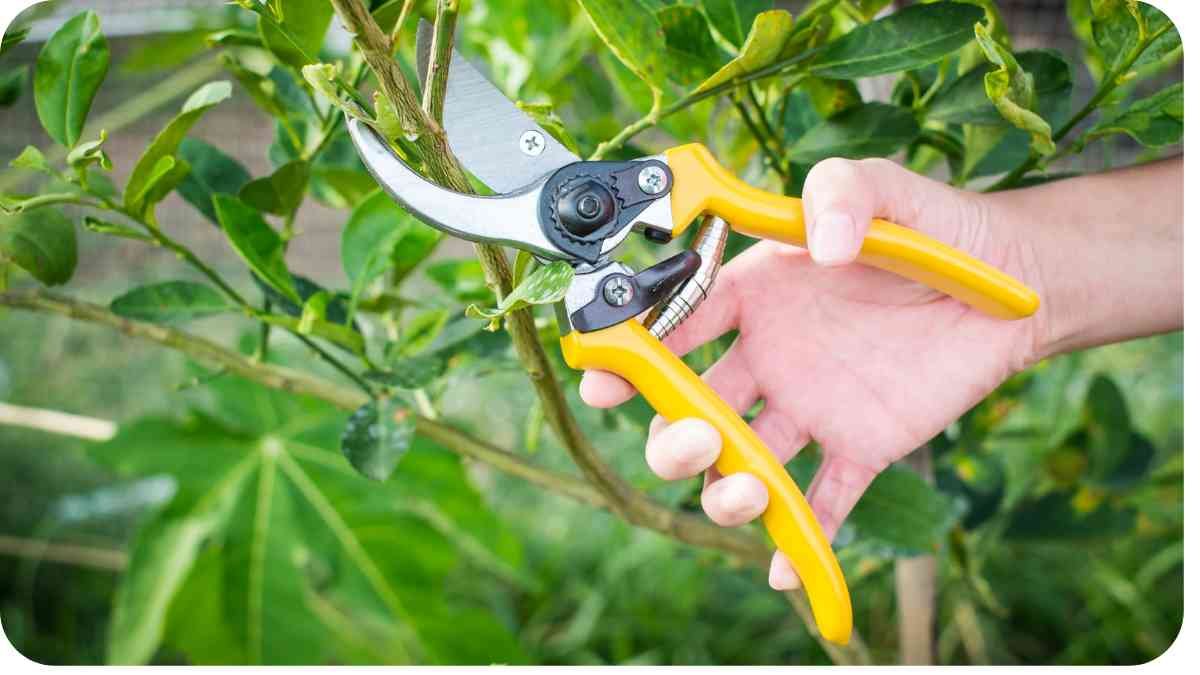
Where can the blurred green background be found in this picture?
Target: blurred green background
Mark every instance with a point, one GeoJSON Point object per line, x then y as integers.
{"type": "Point", "coordinates": [1037, 562]}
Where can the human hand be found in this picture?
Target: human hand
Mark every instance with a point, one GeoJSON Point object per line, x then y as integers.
{"type": "Point", "coordinates": [867, 364]}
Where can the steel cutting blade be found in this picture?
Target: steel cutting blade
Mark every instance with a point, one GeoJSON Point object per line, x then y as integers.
{"type": "Point", "coordinates": [492, 137]}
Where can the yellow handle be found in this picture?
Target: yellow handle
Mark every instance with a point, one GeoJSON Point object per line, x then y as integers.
{"type": "Point", "coordinates": [630, 351]}
{"type": "Point", "coordinates": [702, 185]}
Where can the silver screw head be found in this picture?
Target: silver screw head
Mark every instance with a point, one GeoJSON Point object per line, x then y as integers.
{"type": "Point", "coordinates": [532, 143]}
{"type": "Point", "coordinates": [652, 180]}
{"type": "Point", "coordinates": [618, 292]}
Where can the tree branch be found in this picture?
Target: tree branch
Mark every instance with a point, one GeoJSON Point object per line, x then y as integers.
{"type": "Point", "coordinates": [683, 527]}
{"type": "Point", "coordinates": [434, 97]}
{"type": "Point", "coordinates": [445, 169]}
{"type": "Point", "coordinates": [69, 554]}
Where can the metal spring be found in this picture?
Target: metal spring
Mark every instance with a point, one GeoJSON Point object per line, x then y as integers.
{"type": "Point", "coordinates": [710, 245]}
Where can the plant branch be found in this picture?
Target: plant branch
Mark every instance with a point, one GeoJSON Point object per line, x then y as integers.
{"type": "Point", "coordinates": [656, 114]}
{"type": "Point", "coordinates": [683, 527]}
{"type": "Point", "coordinates": [68, 554]}
{"type": "Point", "coordinates": [761, 138]}
{"type": "Point", "coordinates": [1114, 79]}
{"type": "Point", "coordinates": [434, 96]}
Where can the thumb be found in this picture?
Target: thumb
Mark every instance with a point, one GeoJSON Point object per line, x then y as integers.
{"type": "Point", "coordinates": [842, 197]}
{"type": "Point", "coordinates": [839, 203]}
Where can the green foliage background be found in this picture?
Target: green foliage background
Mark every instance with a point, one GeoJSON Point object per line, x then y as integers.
{"type": "Point", "coordinates": [245, 529]}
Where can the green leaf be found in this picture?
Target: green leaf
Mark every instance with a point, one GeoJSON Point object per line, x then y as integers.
{"type": "Point", "coordinates": [304, 24]}
{"type": "Point", "coordinates": [733, 18]}
{"type": "Point", "coordinates": [976, 478]}
{"type": "Point", "coordinates": [1163, 51]}
{"type": "Point", "coordinates": [273, 550]}
{"type": "Point", "coordinates": [545, 285]}
{"type": "Point", "coordinates": [12, 84]}
{"type": "Point", "coordinates": [41, 242]}
{"type": "Point", "coordinates": [1012, 90]}
{"type": "Point", "coordinates": [87, 154]}
{"type": "Point", "coordinates": [691, 52]}
{"type": "Point", "coordinates": [13, 36]}
{"type": "Point", "coordinates": [965, 101]}
{"type": "Point", "coordinates": [143, 191]}
{"type": "Point", "coordinates": [766, 40]}
{"type": "Point", "coordinates": [870, 130]}
{"type": "Point", "coordinates": [1109, 427]}
{"type": "Point", "coordinates": [411, 373]}
{"type": "Point", "coordinates": [257, 244]}
{"type": "Point", "coordinates": [69, 70]}
{"type": "Point", "coordinates": [281, 193]}
{"type": "Point", "coordinates": [171, 302]}
{"type": "Point", "coordinates": [634, 36]}
{"type": "Point", "coordinates": [1115, 29]}
{"type": "Point", "coordinates": [261, 88]}
{"type": "Point", "coordinates": [462, 279]}
{"type": "Point", "coordinates": [912, 37]}
{"type": "Point", "coordinates": [213, 172]}
{"type": "Point", "coordinates": [233, 37]}
{"type": "Point", "coordinates": [546, 118]}
{"type": "Point", "coordinates": [32, 159]}
{"type": "Point", "coordinates": [1154, 122]}
{"type": "Point", "coordinates": [377, 437]}
{"type": "Point", "coordinates": [380, 235]}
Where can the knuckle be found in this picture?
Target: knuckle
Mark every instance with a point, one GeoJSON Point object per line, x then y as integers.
{"type": "Point", "coordinates": [836, 171]}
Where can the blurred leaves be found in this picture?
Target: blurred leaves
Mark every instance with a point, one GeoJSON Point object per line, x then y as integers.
{"type": "Point", "coordinates": [41, 242]}
{"type": "Point", "coordinates": [912, 37]}
{"type": "Point", "coordinates": [377, 436]}
{"type": "Point", "coordinates": [273, 550]}
{"type": "Point", "coordinates": [256, 243]}
{"type": "Point", "coordinates": [1155, 121]}
{"type": "Point", "coordinates": [171, 302]}
{"type": "Point", "coordinates": [160, 170]}
{"type": "Point", "coordinates": [69, 71]}
{"type": "Point", "coordinates": [870, 130]}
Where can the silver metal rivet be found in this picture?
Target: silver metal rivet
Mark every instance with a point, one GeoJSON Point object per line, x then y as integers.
{"type": "Point", "coordinates": [532, 143]}
{"type": "Point", "coordinates": [618, 292]}
{"type": "Point", "coordinates": [652, 180]}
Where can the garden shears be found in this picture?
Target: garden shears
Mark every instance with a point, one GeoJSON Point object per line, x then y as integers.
{"type": "Point", "coordinates": [554, 205]}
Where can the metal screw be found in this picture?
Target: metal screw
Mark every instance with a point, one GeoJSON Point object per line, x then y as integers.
{"type": "Point", "coordinates": [532, 143]}
{"type": "Point", "coordinates": [618, 292]}
{"type": "Point", "coordinates": [652, 180]}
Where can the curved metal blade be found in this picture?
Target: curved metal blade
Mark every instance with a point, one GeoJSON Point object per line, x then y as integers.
{"type": "Point", "coordinates": [509, 219]}
{"type": "Point", "coordinates": [488, 133]}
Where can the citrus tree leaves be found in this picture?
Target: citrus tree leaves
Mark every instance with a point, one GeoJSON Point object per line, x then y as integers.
{"type": "Point", "coordinates": [1012, 91]}
{"type": "Point", "coordinates": [767, 38]}
{"type": "Point", "coordinates": [733, 18]}
{"type": "Point", "coordinates": [159, 170]}
{"type": "Point", "coordinates": [304, 24]}
{"type": "Point", "coordinates": [1155, 122]}
{"type": "Point", "coordinates": [690, 47]}
{"type": "Point", "coordinates": [256, 243]}
{"type": "Point", "coordinates": [545, 285]}
{"type": "Point", "coordinates": [171, 302]}
{"type": "Point", "coordinates": [212, 172]}
{"type": "Point", "coordinates": [41, 242]}
{"type": "Point", "coordinates": [965, 101]}
{"type": "Point", "coordinates": [377, 436]}
{"type": "Point", "coordinates": [69, 70]}
{"type": "Point", "coordinates": [912, 37]}
{"type": "Point", "coordinates": [274, 539]}
{"type": "Point", "coordinates": [870, 130]}
{"type": "Point", "coordinates": [380, 235]}
{"type": "Point", "coordinates": [633, 35]}
{"type": "Point", "coordinates": [280, 193]}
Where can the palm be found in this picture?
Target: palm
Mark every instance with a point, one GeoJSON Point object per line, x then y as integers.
{"type": "Point", "coordinates": [866, 364]}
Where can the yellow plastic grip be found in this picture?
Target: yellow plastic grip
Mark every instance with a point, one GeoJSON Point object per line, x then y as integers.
{"type": "Point", "coordinates": [702, 185]}
{"type": "Point", "coordinates": [676, 392]}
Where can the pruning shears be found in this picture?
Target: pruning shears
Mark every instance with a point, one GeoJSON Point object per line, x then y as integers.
{"type": "Point", "coordinates": [556, 206]}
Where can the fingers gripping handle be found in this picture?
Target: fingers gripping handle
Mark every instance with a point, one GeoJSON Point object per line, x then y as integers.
{"type": "Point", "coordinates": [630, 351]}
{"type": "Point", "coordinates": [702, 185]}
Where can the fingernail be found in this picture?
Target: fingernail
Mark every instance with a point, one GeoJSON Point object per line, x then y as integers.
{"type": "Point", "coordinates": [738, 495]}
{"type": "Point", "coordinates": [832, 239]}
{"type": "Point", "coordinates": [782, 577]}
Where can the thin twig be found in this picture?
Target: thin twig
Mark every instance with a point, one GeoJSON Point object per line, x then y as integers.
{"type": "Point", "coordinates": [760, 137]}
{"type": "Point", "coordinates": [69, 554]}
{"type": "Point", "coordinates": [683, 527]}
{"type": "Point", "coordinates": [55, 422]}
{"type": "Point", "coordinates": [434, 97]}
